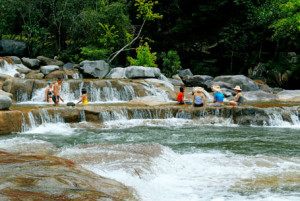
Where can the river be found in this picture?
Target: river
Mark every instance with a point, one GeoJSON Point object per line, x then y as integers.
{"type": "Point", "coordinates": [179, 159]}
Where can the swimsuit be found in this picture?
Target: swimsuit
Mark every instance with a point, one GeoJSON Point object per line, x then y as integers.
{"type": "Point", "coordinates": [240, 101]}
{"type": "Point", "coordinates": [85, 101]}
{"type": "Point", "coordinates": [198, 101]}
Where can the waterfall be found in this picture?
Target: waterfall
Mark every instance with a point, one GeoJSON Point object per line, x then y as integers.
{"type": "Point", "coordinates": [152, 90]}
{"type": "Point", "coordinates": [41, 118]}
{"type": "Point", "coordinates": [113, 115]}
{"type": "Point", "coordinates": [286, 117]}
{"type": "Point", "coordinates": [9, 69]}
{"type": "Point", "coordinates": [82, 116]}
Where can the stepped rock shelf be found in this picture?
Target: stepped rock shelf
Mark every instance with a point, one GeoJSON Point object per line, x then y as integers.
{"type": "Point", "coordinates": [20, 118]}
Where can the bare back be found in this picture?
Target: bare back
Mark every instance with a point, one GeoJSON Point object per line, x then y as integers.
{"type": "Point", "coordinates": [56, 89]}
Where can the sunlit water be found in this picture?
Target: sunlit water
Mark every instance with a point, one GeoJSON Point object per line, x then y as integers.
{"type": "Point", "coordinates": [197, 162]}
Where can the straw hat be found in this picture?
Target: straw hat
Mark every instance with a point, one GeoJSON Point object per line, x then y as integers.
{"type": "Point", "coordinates": [216, 88]}
{"type": "Point", "coordinates": [237, 87]}
{"type": "Point", "coordinates": [198, 90]}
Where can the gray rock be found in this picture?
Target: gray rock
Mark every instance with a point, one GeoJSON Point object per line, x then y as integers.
{"type": "Point", "coordinates": [259, 72]}
{"type": "Point", "coordinates": [22, 69]}
{"type": "Point", "coordinates": [185, 72]}
{"type": "Point", "coordinates": [176, 77]}
{"type": "Point", "coordinates": [5, 102]}
{"type": "Point", "coordinates": [7, 82]}
{"type": "Point", "coordinates": [3, 93]}
{"type": "Point", "coordinates": [209, 83]}
{"type": "Point", "coordinates": [259, 95]}
{"type": "Point", "coordinates": [142, 72]}
{"type": "Point", "coordinates": [118, 72]}
{"type": "Point", "coordinates": [244, 82]}
{"type": "Point", "coordinates": [49, 62]}
{"type": "Point", "coordinates": [198, 80]}
{"type": "Point", "coordinates": [15, 59]}
{"type": "Point", "coordinates": [227, 92]}
{"type": "Point", "coordinates": [163, 78]}
{"type": "Point", "coordinates": [68, 66]}
{"type": "Point", "coordinates": [34, 76]}
{"type": "Point", "coordinates": [289, 96]}
{"type": "Point", "coordinates": [31, 63]}
{"type": "Point", "coordinates": [48, 69]}
{"type": "Point", "coordinates": [12, 47]}
{"type": "Point", "coordinates": [96, 69]}
{"type": "Point", "coordinates": [176, 82]}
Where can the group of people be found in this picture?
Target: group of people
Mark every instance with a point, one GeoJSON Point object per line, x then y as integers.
{"type": "Point", "coordinates": [199, 99]}
{"type": "Point", "coordinates": [52, 93]}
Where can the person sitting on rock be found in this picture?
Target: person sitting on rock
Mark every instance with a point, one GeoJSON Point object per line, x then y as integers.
{"type": "Point", "coordinates": [49, 93]}
{"type": "Point", "coordinates": [198, 97]}
{"type": "Point", "coordinates": [180, 96]}
{"type": "Point", "coordinates": [239, 97]}
{"type": "Point", "coordinates": [218, 96]}
{"type": "Point", "coordinates": [83, 98]}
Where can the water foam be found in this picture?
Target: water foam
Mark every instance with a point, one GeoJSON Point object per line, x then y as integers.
{"type": "Point", "coordinates": [207, 176]}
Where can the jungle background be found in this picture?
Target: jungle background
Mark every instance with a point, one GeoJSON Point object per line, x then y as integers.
{"type": "Point", "coordinates": [209, 37]}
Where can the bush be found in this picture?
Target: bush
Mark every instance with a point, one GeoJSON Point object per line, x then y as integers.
{"type": "Point", "coordinates": [144, 57]}
{"type": "Point", "coordinates": [171, 63]}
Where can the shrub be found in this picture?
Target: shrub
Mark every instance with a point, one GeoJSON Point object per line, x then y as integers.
{"type": "Point", "coordinates": [170, 62]}
{"type": "Point", "coordinates": [144, 57]}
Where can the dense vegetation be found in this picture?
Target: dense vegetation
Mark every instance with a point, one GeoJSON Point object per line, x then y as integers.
{"type": "Point", "coordinates": [209, 37]}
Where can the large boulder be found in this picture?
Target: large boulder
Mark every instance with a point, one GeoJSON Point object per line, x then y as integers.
{"type": "Point", "coordinates": [176, 82]}
{"type": "Point", "coordinates": [7, 82]}
{"type": "Point", "coordinates": [31, 63]}
{"type": "Point", "coordinates": [68, 66]}
{"type": "Point", "coordinates": [12, 47]}
{"type": "Point", "coordinates": [34, 75]}
{"type": "Point", "coordinates": [223, 85]}
{"type": "Point", "coordinates": [118, 72]}
{"type": "Point", "coordinates": [198, 80]}
{"type": "Point", "coordinates": [48, 69]}
{"type": "Point", "coordinates": [5, 102]}
{"type": "Point", "coordinates": [68, 74]}
{"type": "Point", "coordinates": [15, 59]}
{"type": "Point", "coordinates": [3, 93]}
{"type": "Point", "coordinates": [184, 73]}
{"type": "Point", "coordinates": [259, 96]}
{"type": "Point", "coordinates": [96, 69]}
{"type": "Point", "coordinates": [289, 96]}
{"type": "Point", "coordinates": [22, 69]}
{"type": "Point", "coordinates": [142, 72]}
{"type": "Point", "coordinates": [244, 82]}
{"type": "Point", "coordinates": [48, 61]}
{"type": "Point", "coordinates": [43, 177]}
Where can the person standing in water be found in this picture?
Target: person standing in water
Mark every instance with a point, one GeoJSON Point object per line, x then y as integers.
{"type": "Point", "coordinates": [239, 97]}
{"type": "Point", "coordinates": [56, 97]}
{"type": "Point", "coordinates": [49, 93]}
{"type": "Point", "coordinates": [83, 98]}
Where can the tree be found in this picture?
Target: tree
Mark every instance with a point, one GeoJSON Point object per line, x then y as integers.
{"type": "Point", "coordinates": [144, 57]}
{"type": "Point", "coordinates": [145, 11]}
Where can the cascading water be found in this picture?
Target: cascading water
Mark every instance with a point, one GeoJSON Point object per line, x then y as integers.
{"type": "Point", "coordinates": [9, 69]}
{"type": "Point", "coordinates": [287, 117]}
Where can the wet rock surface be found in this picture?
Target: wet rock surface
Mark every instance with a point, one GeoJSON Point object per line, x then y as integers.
{"type": "Point", "coordinates": [32, 177]}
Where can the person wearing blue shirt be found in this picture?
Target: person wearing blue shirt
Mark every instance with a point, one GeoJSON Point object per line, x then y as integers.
{"type": "Point", "coordinates": [218, 96]}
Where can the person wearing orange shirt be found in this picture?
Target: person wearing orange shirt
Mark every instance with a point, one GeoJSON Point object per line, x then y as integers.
{"type": "Point", "coordinates": [180, 96]}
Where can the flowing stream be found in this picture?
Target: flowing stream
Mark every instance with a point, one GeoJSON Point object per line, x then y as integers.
{"type": "Point", "coordinates": [176, 159]}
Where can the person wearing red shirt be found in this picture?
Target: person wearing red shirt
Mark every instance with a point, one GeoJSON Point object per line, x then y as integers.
{"type": "Point", "coordinates": [180, 96]}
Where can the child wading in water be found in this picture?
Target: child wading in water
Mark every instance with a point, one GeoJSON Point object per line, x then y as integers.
{"type": "Point", "coordinates": [83, 98]}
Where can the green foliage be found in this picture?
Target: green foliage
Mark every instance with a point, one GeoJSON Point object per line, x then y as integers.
{"type": "Point", "coordinates": [144, 57]}
{"type": "Point", "coordinates": [171, 63]}
{"type": "Point", "coordinates": [145, 10]}
{"type": "Point", "coordinates": [288, 24]}
{"type": "Point", "coordinates": [94, 53]}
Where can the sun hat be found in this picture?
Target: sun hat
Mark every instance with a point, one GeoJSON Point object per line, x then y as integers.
{"type": "Point", "coordinates": [216, 88]}
{"type": "Point", "coordinates": [198, 89]}
{"type": "Point", "coordinates": [237, 87]}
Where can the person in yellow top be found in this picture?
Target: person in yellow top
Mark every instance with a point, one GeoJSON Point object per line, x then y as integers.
{"type": "Point", "coordinates": [83, 98]}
